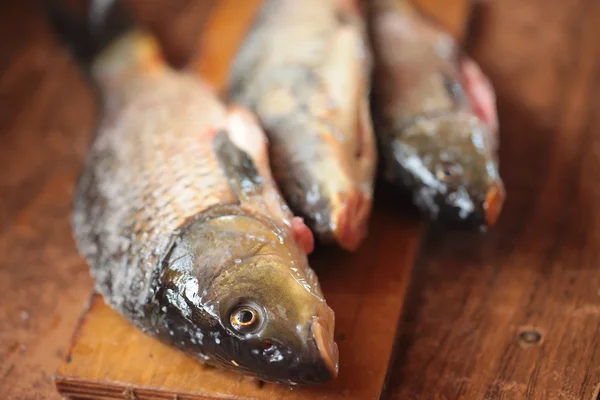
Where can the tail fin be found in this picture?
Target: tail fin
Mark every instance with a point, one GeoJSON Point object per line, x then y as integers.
{"type": "Point", "coordinates": [86, 37]}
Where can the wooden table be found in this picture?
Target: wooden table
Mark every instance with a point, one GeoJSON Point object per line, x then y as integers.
{"type": "Point", "coordinates": [513, 314]}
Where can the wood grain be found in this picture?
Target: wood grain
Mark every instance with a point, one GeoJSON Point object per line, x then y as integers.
{"type": "Point", "coordinates": [43, 282]}
{"type": "Point", "coordinates": [515, 314]}
{"type": "Point", "coordinates": [452, 15]}
{"type": "Point", "coordinates": [470, 298]}
{"type": "Point", "coordinates": [221, 39]}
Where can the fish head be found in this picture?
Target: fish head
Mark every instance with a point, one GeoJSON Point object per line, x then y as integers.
{"type": "Point", "coordinates": [448, 164]}
{"type": "Point", "coordinates": [259, 305]}
{"type": "Point", "coordinates": [281, 325]}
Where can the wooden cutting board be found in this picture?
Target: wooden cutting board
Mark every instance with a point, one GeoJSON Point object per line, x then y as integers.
{"type": "Point", "coordinates": [110, 359]}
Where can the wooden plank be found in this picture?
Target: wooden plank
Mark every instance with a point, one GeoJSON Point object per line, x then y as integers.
{"type": "Point", "coordinates": [43, 282]}
{"type": "Point", "coordinates": [515, 314]}
{"type": "Point", "coordinates": [452, 15]}
{"type": "Point", "coordinates": [221, 39]}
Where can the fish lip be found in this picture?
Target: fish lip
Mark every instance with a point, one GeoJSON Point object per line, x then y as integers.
{"type": "Point", "coordinates": [350, 220]}
{"type": "Point", "coordinates": [494, 202]}
{"type": "Point", "coordinates": [327, 348]}
{"type": "Point", "coordinates": [482, 213]}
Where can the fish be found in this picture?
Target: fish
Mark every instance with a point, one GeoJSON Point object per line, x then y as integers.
{"type": "Point", "coordinates": [435, 118]}
{"type": "Point", "coordinates": [182, 225]}
{"type": "Point", "coordinates": [304, 70]}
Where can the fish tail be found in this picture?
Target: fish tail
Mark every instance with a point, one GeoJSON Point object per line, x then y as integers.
{"type": "Point", "coordinates": [87, 36]}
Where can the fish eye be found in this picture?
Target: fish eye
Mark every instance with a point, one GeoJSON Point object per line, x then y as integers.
{"type": "Point", "coordinates": [245, 318]}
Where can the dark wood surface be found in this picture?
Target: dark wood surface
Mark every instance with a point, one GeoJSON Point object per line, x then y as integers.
{"type": "Point", "coordinates": [46, 111]}
{"type": "Point", "coordinates": [513, 314]}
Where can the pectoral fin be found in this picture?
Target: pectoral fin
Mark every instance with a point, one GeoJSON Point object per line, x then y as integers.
{"type": "Point", "coordinates": [243, 156]}
{"type": "Point", "coordinates": [238, 168]}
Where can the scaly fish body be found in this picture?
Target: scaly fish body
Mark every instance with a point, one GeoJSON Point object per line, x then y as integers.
{"type": "Point", "coordinates": [184, 230]}
{"type": "Point", "coordinates": [437, 135]}
{"type": "Point", "coordinates": [304, 70]}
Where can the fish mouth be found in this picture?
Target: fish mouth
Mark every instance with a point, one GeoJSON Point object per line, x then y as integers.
{"type": "Point", "coordinates": [326, 347]}
{"type": "Point", "coordinates": [350, 219]}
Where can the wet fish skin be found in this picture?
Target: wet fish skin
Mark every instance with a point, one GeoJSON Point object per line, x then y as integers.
{"type": "Point", "coordinates": [184, 230]}
{"type": "Point", "coordinates": [433, 140]}
{"type": "Point", "coordinates": [304, 70]}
